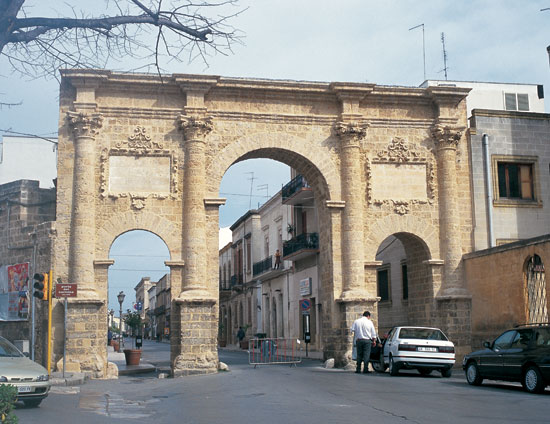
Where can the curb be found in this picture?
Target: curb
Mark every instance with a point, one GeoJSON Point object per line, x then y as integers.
{"type": "Point", "coordinates": [71, 379]}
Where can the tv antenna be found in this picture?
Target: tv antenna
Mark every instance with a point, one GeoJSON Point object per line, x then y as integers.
{"type": "Point", "coordinates": [444, 55]}
{"type": "Point", "coordinates": [251, 185]}
{"type": "Point", "coordinates": [423, 46]}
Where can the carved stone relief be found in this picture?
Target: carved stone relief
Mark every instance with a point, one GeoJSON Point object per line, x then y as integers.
{"type": "Point", "coordinates": [384, 167]}
{"type": "Point", "coordinates": [155, 170]}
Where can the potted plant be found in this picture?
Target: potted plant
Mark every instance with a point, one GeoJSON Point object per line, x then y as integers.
{"type": "Point", "coordinates": [134, 321]}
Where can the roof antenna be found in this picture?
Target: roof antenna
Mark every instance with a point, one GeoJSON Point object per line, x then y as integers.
{"type": "Point", "coordinates": [423, 46]}
{"type": "Point", "coordinates": [444, 55]}
{"type": "Point", "coordinates": [251, 185]}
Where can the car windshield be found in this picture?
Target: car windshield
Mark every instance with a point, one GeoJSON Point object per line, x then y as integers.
{"type": "Point", "coordinates": [7, 350]}
{"type": "Point", "coordinates": [421, 333]}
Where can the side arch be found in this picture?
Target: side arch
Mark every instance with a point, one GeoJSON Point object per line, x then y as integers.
{"type": "Point", "coordinates": [128, 221]}
{"type": "Point", "coordinates": [285, 148]}
{"type": "Point", "coordinates": [393, 224]}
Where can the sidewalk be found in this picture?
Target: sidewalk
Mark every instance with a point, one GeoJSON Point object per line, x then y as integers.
{"type": "Point", "coordinates": [119, 360]}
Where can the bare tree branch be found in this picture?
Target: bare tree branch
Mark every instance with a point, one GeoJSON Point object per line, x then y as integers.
{"type": "Point", "coordinates": [37, 46]}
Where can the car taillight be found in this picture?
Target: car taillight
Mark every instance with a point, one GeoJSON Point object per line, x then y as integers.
{"type": "Point", "coordinates": [406, 347]}
{"type": "Point", "coordinates": [447, 349]}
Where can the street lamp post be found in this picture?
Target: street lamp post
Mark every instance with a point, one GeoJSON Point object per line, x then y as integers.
{"type": "Point", "coordinates": [120, 298]}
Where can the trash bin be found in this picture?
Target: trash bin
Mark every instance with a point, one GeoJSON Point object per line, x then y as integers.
{"type": "Point", "coordinates": [139, 342]}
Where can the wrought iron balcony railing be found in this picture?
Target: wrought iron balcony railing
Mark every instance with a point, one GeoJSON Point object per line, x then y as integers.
{"type": "Point", "coordinates": [296, 184]}
{"type": "Point", "coordinates": [303, 241]}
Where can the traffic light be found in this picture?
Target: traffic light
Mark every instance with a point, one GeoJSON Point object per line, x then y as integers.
{"type": "Point", "coordinates": [41, 286]}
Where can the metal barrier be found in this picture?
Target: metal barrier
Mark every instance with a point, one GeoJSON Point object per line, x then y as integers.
{"type": "Point", "coordinates": [274, 351]}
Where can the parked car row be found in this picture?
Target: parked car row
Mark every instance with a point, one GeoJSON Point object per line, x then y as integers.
{"type": "Point", "coordinates": [520, 354]}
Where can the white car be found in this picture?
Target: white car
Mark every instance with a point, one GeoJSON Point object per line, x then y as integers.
{"type": "Point", "coordinates": [422, 348]}
{"type": "Point", "coordinates": [30, 379]}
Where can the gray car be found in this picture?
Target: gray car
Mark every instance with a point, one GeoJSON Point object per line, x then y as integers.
{"type": "Point", "coordinates": [30, 379]}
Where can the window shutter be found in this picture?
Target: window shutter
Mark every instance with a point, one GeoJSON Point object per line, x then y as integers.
{"type": "Point", "coordinates": [510, 101]}
{"type": "Point", "coordinates": [526, 182]}
{"type": "Point", "coordinates": [523, 102]}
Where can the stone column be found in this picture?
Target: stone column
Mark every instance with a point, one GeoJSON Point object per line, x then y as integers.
{"type": "Point", "coordinates": [85, 128]}
{"type": "Point", "coordinates": [350, 134]}
{"type": "Point", "coordinates": [194, 285]}
{"type": "Point", "coordinates": [446, 140]}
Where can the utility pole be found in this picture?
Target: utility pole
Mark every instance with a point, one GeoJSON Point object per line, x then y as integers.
{"type": "Point", "coordinates": [423, 47]}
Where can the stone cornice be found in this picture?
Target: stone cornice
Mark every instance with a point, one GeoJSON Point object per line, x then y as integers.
{"type": "Point", "coordinates": [84, 124]}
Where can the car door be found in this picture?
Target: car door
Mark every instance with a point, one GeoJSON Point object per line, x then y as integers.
{"type": "Point", "coordinates": [490, 363]}
{"type": "Point", "coordinates": [514, 356]}
{"type": "Point", "coordinates": [388, 344]}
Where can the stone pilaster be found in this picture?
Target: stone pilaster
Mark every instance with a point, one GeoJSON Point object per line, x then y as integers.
{"type": "Point", "coordinates": [195, 129]}
{"type": "Point", "coordinates": [350, 134]}
{"type": "Point", "coordinates": [446, 140]}
{"type": "Point", "coordinates": [85, 128]}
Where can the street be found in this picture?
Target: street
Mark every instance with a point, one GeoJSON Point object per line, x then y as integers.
{"type": "Point", "coordinates": [304, 394]}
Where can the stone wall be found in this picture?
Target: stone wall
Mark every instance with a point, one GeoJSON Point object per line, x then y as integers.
{"type": "Point", "coordinates": [26, 212]}
{"type": "Point", "coordinates": [496, 279]}
{"type": "Point", "coordinates": [512, 135]}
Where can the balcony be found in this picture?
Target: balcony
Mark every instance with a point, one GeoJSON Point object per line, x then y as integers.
{"type": "Point", "coordinates": [265, 266]}
{"type": "Point", "coordinates": [301, 246]}
{"type": "Point", "coordinates": [297, 192]}
{"type": "Point", "coordinates": [236, 280]}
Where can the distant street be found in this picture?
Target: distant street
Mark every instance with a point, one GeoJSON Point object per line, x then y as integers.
{"type": "Point", "coordinates": [278, 394]}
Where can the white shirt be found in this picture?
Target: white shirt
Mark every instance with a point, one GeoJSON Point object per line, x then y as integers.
{"type": "Point", "coordinates": [363, 328]}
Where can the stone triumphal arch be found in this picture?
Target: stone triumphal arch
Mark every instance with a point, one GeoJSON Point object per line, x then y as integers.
{"type": "Point", "coordinates": [140, 152]}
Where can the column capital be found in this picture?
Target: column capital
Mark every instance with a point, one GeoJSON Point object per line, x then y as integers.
{"type": "Point", "coordinates": [195, 128]}
{"type": "Point", "coordinates": [85, 124]}
{"type": "Point", "coordinates": [351, 133]}
{"type": "Point", "coordinates": [446, 136]}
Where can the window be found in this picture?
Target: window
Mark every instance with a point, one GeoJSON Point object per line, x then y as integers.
{"type": "Point", "coordinates": [515, 180]}
{"type": "Point", "coordinates": [516, 101]}
{"type": "Point", "coordinates": [248, 255]}
{"type": "Point", "coordinates": [505, 340]}
{"type": "Point", "coordinates": [383, 284]}
{"type": "Point", "coordinates": [405, 281]}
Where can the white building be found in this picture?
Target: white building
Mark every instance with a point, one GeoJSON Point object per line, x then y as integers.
{"type": "Point", "coordinates": [28, 158]}
{"type": "Point", "coordinates": [498, 96]}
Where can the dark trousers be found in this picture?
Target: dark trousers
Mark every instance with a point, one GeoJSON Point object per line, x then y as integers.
{"type": "Point", "coordinates": [363, 353]}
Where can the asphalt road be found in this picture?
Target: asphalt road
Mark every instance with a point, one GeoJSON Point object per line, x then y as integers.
{"type": "Point", "coordinates": [278, 394]}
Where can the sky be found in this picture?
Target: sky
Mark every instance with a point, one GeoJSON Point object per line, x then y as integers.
{"type": "Point", "coordinates": [324, 40]}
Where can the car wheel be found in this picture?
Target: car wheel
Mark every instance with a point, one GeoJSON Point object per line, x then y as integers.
{"type": "Point", "coordinates": [446, 372]}
{"type": "Point", "coordinates": [394, 368]}
{"type": "Point", "coordinates": [424, 371]}
{"type": "Point", "coordinates": [533, 381]}
{"type": "Point", "coordinates": [32, 403]}
{"type": "Point", "coordinates": [473, 377]}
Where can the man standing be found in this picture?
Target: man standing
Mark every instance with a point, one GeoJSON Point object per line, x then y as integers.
{"type": "Point", "coordinates": [363, 335]}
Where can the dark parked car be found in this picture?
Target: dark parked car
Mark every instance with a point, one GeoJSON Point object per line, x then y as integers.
{"type": "Point", "coordinates": [520, 354]}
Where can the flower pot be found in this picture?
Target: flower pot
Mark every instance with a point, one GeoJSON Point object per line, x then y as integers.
{"type": "Point", "coordinates": [115, 345]}
{"type": "Point", "coordinates": [222, 343]}
{"type": "Point", "coordinates": [132, 356]}
{"type": "Point", "coordinates": [244, 344]}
